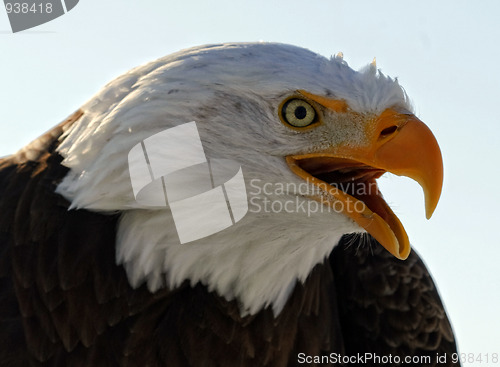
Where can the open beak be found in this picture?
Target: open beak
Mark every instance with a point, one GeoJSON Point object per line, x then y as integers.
{"type": "Point", "coordinates": [346, 175]}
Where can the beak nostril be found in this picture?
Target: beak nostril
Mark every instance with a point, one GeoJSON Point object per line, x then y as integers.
{"type": "Point", "coordinates": [388, 131]}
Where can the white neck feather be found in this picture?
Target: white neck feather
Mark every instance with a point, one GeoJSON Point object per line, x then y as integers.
{"type": "Point", "coordinates": [257, 261]}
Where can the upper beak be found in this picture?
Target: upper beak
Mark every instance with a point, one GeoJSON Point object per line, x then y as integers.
{"type": "Point", "coordinates": [398, 143]}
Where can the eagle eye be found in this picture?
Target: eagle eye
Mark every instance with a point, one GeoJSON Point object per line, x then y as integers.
{"type": "Point", "coordinates": [299, 113]}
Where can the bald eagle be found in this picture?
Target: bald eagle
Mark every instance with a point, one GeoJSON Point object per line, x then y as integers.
{"type": "Point", "coordinates": [311, 268]}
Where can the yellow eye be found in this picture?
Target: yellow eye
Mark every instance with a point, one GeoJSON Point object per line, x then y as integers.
{"type": "Point", "coordinates": [298, 113]}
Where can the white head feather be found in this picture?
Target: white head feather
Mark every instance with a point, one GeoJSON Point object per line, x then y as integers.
{"type": "Point", "coordinates": [232, 91]}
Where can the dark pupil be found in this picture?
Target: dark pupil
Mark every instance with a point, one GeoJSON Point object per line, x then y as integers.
{"type": "Point", "coordinates": [300, 112]}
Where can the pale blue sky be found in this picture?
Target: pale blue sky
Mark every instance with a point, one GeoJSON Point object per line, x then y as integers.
{"type": "Point", "coordinates": [445, 54]}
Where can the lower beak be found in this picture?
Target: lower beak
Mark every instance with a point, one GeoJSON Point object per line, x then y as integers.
{"type": "Point", "coordinates": [398, 143]}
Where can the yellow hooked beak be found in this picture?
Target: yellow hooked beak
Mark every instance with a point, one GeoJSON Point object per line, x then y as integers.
{"type": "Point", "coordinates": [398, 143]}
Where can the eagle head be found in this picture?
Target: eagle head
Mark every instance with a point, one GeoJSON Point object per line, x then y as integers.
{"type": "Point", "coordinates": [310, 134]}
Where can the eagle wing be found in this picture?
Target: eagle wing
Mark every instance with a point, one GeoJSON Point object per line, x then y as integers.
{"type": "Point", "coordinates": [388, 306]}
